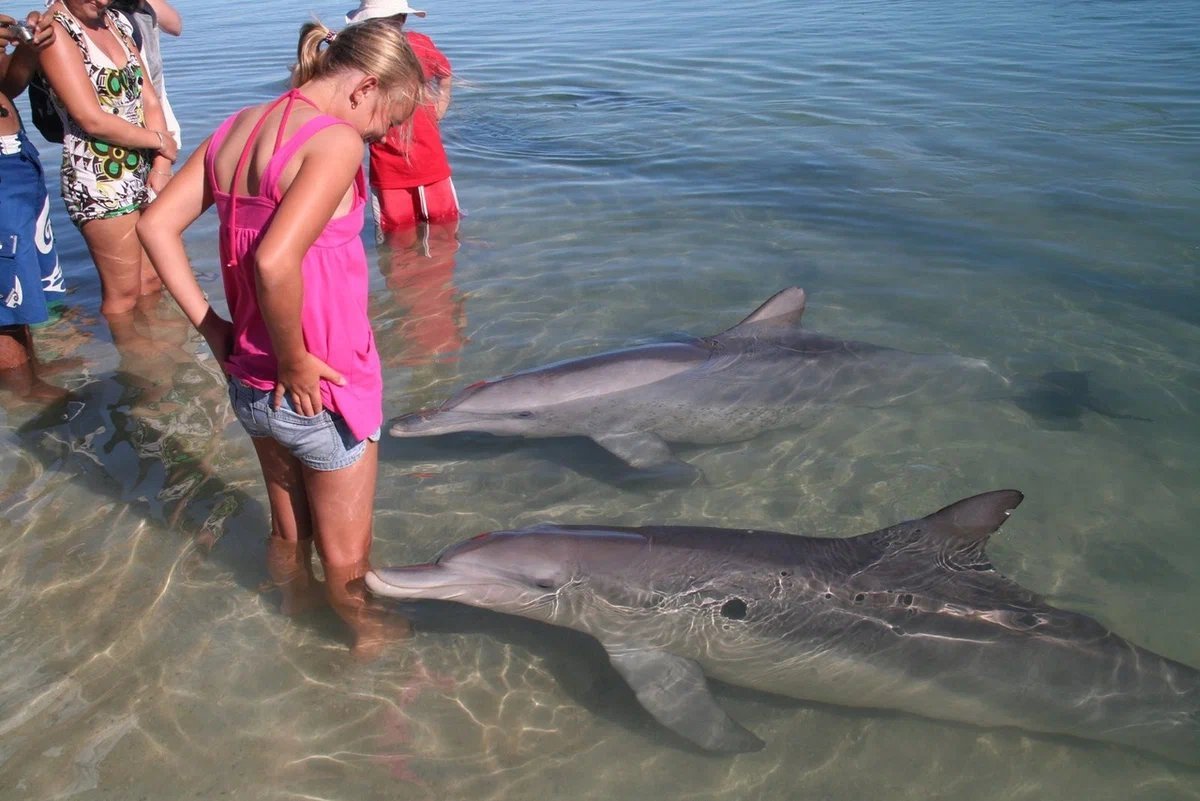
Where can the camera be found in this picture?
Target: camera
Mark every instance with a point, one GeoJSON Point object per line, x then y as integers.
{"type": "Point", "coordinates": [21, 31]}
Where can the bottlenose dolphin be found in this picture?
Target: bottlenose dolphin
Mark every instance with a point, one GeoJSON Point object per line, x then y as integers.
{"type": "Point", "coordinates": [766, 372]}
{"type": "Point", "coordinates": [912, 617]}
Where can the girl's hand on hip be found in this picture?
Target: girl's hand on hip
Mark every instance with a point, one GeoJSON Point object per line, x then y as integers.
{"type": "Point", "coordinates": [302, 384]}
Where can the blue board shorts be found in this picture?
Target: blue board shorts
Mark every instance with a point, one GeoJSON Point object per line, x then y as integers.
{"type": "Point", "coordinates": [322, 442]}
{"type": "Point", "coordinates": [30, 275]}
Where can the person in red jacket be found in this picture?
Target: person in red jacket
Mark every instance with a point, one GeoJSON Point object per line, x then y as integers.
{"type": "Point", "coordinates": [410, 174]}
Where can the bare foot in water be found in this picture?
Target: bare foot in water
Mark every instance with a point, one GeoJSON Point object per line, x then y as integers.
{"type": "Point", "coordinates": [289, 564]}
{"type": "Point", "coordinates": [300, 600]}
{"type": "Point", "coordinates": [373, 628]}
{"type": "Point", "coordinates": [375, 632]}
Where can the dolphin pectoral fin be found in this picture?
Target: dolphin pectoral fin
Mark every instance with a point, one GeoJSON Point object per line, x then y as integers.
{"type": "Point", "coordinates": [640, 449]}
{"type": "Point", "coordinates": [651, 457]}
{"type": "Point", "coordinates": [676, 474]}
{"type": "Point", "coordinates": [674, 691]}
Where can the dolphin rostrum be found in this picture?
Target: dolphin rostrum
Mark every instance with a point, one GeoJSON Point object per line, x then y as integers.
{"type": "Point", "coordinates": [912, 617]}
{"type": "Point", "coordinates": [766, 372]}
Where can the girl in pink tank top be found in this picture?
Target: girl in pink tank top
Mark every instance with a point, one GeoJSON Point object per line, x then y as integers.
{"type": "Point", "coordinates": [305, 382]}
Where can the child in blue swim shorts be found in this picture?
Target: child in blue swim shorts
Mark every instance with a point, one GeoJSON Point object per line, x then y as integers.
{"type": "Point", "coordinates": [30, 275]}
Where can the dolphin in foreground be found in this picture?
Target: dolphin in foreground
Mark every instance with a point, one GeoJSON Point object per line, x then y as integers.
{"type": "Point", "coordinates": [912, 617]}
{"type": "Point", "coordinates": [766, 372]}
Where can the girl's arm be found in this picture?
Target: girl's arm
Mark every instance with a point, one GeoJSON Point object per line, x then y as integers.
{"type": "Point", "coordinates": [329, 163]}
{"type": "Point", "coordinates": [161, 229]}
{"type": "Point", "coordinates": [169, 19]}
{"type": "Point", "coordinates": [63, 66]}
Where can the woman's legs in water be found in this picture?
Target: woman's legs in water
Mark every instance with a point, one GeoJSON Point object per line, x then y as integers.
{"type": "Point", "coordinates": [125, 271]}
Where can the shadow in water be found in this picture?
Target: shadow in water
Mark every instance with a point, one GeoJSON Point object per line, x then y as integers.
{"type": "Point", "coordinates": [576, 661]}
{"type": "Point", "coordinates": [579, 454]}
{"type": "Point", "coordinates": [151, 437]}
{"type": "Point", "coordinates": [1058, 399]}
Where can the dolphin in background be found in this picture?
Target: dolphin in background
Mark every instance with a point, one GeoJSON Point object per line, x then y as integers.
{"type": "Point", "coordinates": [764, 373]}
{"type": "Point", "coordinates": [912, 617]}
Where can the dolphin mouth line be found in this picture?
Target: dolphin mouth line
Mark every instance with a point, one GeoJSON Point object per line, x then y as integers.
{"type": "Point", "coordinates": [421, 415]}
{"type": "Point", "coordinates": [432, 581]}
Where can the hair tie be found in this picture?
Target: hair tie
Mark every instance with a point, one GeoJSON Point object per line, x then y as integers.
{"type": "Point", "coordinates": [329, 37]}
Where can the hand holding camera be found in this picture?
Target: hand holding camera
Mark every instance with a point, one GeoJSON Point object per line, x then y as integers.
{"type": "Point", "coordinates": [36, 30]}
{"type": "Point", "coordinates": [20, 32]}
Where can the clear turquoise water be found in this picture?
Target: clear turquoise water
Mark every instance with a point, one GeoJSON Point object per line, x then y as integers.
{"type": "Point", "coordinates": [1010, 181]}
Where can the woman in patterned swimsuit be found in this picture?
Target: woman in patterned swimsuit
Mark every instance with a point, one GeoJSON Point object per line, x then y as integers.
{"type": "Point", "coordinates": [116, 147]}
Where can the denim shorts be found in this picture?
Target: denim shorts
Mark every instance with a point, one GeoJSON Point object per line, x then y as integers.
{"type": "Point", "coordinates": [322, 442]}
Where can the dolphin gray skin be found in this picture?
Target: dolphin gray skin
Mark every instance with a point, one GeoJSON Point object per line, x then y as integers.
{"type": "Point", "coordinates": [764, 373]}
{"type": "Point", "coordinates": [912, 617]}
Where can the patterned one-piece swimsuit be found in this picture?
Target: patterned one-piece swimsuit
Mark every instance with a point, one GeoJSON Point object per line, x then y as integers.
{"type": "Point", "coordinates": [101, 180]}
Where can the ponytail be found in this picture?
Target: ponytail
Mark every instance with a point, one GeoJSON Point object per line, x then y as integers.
{"type": "Point", "coordinates": [309, 54]}
{"type": "Point", "coordinates": [376, 47]}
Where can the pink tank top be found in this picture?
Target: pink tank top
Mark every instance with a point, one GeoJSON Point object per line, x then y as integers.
{"type": "Point", "coordinates": [334, 318]}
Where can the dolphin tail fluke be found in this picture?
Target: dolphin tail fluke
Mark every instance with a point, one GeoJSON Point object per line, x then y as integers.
{"type": "Point", "coordinates": [674, 691]}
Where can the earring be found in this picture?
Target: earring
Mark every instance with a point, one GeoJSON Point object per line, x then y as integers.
{"type": "Point", "coordinates": [353, 104]}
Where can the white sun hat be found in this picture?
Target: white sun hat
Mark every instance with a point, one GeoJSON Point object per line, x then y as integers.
{"type": "Point", "coordinates": [370, 9]}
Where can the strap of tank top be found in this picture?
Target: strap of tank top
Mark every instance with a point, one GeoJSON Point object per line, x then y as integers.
{"type": "Point", "coordinates": [214, 144]}
{"type": "Point", "coordinates": [290, 97]}
{"type": "Point", "coordinates": [268, 185]}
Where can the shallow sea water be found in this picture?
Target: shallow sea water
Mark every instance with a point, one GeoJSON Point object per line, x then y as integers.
{"type": "Point", "coordinates": [1007, 181]}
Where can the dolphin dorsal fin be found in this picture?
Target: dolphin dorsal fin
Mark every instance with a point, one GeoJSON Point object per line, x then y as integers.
{"type": "Point", "coordinates": [968, 523]}
{"type": "Point", "coordinates": [956, 536]}
{"type": "Point", "coordinates": [784, 308]}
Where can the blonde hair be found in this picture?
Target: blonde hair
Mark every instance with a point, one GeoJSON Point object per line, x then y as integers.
{"type": "Point", "coordinates": [375, 47]}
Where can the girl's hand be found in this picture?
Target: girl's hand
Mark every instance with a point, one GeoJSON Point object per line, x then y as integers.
{"type": "Point", "coordinates": [302, 383]}
{"type": "Point", "coordinates": [218, 333]}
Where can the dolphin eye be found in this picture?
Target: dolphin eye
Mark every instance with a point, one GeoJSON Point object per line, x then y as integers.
{"type": "Point", "coordinates": [544, 584]}
{"type": "Point", "coordinates": [525, 414]}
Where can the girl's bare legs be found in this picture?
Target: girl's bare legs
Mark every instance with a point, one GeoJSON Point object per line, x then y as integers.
{"type": "Point", "coordinates": [125, 271]}
{"type": "Point", "coordinates": [289, 548]}
{"type": "Point", "coordinates": [342, 504]}
{"type": "Point", "coordinates": [335, 509]}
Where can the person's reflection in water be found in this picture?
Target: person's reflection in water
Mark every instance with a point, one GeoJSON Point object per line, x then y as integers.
{"type": "Point", "coordinates": [152, 342]}
{"type": "Point", "coordinates": [170, 410]}
{"type": "Point", "coordinates": [423, 324]}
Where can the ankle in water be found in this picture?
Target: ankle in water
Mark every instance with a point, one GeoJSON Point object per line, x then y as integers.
{"type": "Point", "coordinates": [289, 566]}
